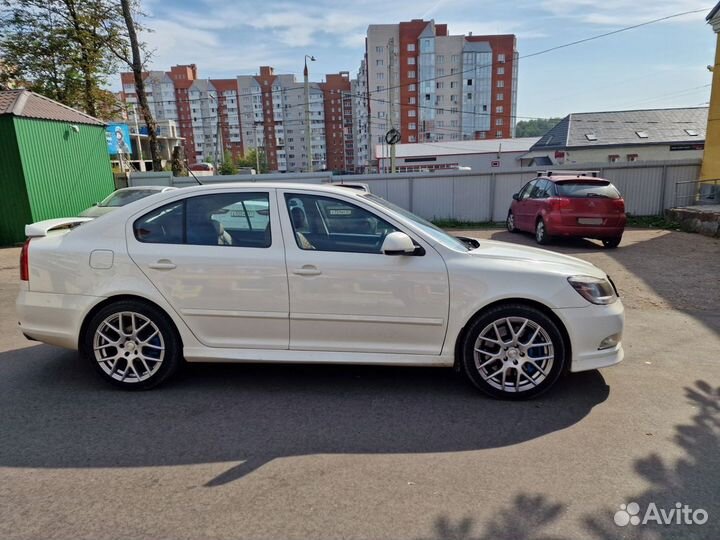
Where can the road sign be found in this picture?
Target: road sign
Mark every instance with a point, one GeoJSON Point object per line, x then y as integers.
{"type": "Point", "coordinates": [392, 137]}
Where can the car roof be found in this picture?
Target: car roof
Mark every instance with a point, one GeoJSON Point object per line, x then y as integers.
{"type": "Point", "coordinates": [151, 188]}
{"type": "Point", "coordinates": [273, 185]}
{"type": "Point", "coordinates": [565, 178]}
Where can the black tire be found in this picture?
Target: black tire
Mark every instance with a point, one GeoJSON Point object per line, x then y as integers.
{"type": "Point", "coordinates": [541, 235]}
{"type": "Point", "coordinates": [481, 371]}
{"type": "Point", "coordinates": [146, 344]}
{"type": "Point", "coordinates": [612, 243]}
{"type": "Point", "coordinates": [510, 223]}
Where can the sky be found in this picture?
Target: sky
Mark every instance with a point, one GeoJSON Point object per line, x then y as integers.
{"type": "Point", "coordinates": [660, 65]}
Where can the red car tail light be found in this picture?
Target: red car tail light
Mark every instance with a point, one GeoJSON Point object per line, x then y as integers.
{"type": "Point", "coordinates": [559, 204]}
{"type": "Point", "coordinates": [619, 204]}
{"type": "Point", "coordinates": [24, 265]}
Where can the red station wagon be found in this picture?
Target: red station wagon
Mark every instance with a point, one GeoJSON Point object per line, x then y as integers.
{"type": "Point", "coordinates": [574, 205]}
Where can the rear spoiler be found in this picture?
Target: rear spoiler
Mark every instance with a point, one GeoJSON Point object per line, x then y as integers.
{"type": "Point", "coordinates": [42, 228]}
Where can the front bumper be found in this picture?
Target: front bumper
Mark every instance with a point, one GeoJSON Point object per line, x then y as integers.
{"type": "Point", "coordinates": [52, 318]}
{"type": "Point", "coordinates": [587, 327]}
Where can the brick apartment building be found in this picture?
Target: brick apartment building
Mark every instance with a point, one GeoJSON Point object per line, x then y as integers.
{"type": "Point", "coordinates": [443, 87]}
{"type": "Point", "coordinates": [265, 111]}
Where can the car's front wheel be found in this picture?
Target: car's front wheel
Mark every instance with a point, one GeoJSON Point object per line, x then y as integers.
{"type": "Point", "coordinates": [513, 352]}
{"type": "Point", "coordinates": [132, 345]}
{"type": "Point", "coordinates": [510, 223]}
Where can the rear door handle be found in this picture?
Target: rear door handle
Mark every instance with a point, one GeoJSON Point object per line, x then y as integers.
{"type": "Point", "coordinates": [307, 270]}
{"type": "Point", "coordinates": [163, 264]}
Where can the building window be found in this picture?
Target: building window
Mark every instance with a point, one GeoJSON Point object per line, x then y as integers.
{"type": "Point", "coordinates": [499, 109]}
{"type": "Point", "coordinates": [455, 58]}
{"type": "Point", "coordinates": [440, 72]}
{"type": "Point", "coordinates": [612, 158]}
{"type": "Point", "coordinates": [379, 62]}
{"type": "Point", "coordinates": [501, 58]}
{"type": "Point", "coordinates": [412, 126]}
{"type": "Point", "coordinates": [380, 76]}
{"type": "Point", "coordinates": [453, 98]}
{"type": "Point", "coordinates": [469, 82]}
{"type": "Point", "coordinates": [501, 84]}
{"type": "Point", "coordinates": [379, 49]}
{"type": "Point", "coordinates": [411, 47]}
{"type": "Point", "coordinates": [632, 157]}
{"type": "Point", "coordinates": [439, 59]}
{"type": "Point", "coordinates": [500, 97]}
{"type": "Point", "coordinates": [501, 71]}
{"type": "Point", "coordinates": [411, 100]}
{"type": "Point", "coordinates": [440, 85]}
{"type": "Point", "coordinates": [411, 88]}
{"type": "Point", "coordinates": [469, 95]}
{"type": "Point", "coordinates": [411, 74]}
{"type": "Point", "coordinates": [440, 123]}
{"type": "Point", "coordinates": [379, 88]}
{"type": "Point", "coordinates": [498, 134]}
{"type": "Point", "coordinates": [412, 113]}
{"type": "Point", "coordinates": [411, 60]}
{"type": "Point", "coordinates": [499, 122]}
{"type": "Point", "coordinates": [411, 138]}
{"type": "Point", "coordinates": [453, 84]}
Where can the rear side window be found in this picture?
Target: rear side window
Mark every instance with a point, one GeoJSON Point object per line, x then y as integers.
{"type": "Point", "coordinates": [223, 219]}
{"type": "Point", "coordinates": [584, 188]}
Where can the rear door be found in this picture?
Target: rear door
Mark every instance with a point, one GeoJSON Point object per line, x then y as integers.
{"type": "Point", "coordinates": [592, 203]}
{"type": "Point", "coordinates": [219, 261]}
{"type": "Point", "coordinates": [522, 208]}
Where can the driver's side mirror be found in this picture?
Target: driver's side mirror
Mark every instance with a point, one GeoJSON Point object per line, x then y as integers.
{"type": "Point", "coordinates": [398, 243]}
{"type": "Point", "coordinates": [516, 196]}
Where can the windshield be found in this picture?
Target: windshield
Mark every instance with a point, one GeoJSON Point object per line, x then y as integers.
{"type": "Point", "coordinates": [587, 188]}
{"type": "Point", "coordinates": [435, 232]}
{"type": "Point", "coordinates": [121, 198]}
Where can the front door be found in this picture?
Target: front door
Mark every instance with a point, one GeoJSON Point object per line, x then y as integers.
{"type": "Point", "coordinates": [219, 260]}
{"type": "Point", "coordinates": [345, 294]}
{"type": "Point", "coordinates": [523, 208]}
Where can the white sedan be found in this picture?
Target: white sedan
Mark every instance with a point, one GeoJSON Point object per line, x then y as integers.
{"type": "Point", "coordinates": [267, 272]}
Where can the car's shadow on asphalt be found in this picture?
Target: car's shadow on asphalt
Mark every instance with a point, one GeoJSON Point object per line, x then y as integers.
{"type": "Point", "coordinates": [57, 413]}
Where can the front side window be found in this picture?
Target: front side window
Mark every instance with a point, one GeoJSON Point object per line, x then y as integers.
{"type": "Point", "coordinates": [328, 224]}
{"type": "Point", "coordinates": [222, 219]}
{"type": "Point", "coordinates": [525, 193]}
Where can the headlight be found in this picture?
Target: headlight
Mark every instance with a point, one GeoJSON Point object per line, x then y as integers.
{"type": "Point", "coordinates": [594, 290]}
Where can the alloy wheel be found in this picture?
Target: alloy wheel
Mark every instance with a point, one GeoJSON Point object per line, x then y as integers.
{"type": "Point", "coordinates": [129, 347]}
{"type": "Point", "coordinates": [514, 354]}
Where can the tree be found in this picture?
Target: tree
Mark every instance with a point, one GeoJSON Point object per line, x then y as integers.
{"type": "Point", "coordinates": [135, 61]}
{"type": "Point", "coordinates": [227, 166]}
{"type": "Point", "coordinates": [536, 127]}
{"type": "Point", "coordinates": [178, 162]}
{"type": "Point", "coordinates": [62, 48]}
{"type": "Point", "coordinates": [250, 160]}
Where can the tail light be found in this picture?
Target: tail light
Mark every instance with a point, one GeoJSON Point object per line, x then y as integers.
{"type": "Point", "coordinates": [619, 204]}
{"type": "Point", "coordinates": [24, 266]}
{"type": "Point", "coordinates": [560, 203]}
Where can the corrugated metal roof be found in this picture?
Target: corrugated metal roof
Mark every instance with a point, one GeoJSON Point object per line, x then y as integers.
{"type": "Point", "coordinates": [26, 104]}
{"type": "Point", "coordinates": [652, 126]}
{"type": "Point", "coordinates": [481, 146]}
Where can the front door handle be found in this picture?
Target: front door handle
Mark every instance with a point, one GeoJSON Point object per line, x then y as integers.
{"type": "Point", "coordinates": [307, 270]}
{"type": "Point", "coordinates": [163, 264]}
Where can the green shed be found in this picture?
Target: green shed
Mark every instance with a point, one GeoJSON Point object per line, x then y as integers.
{"type": "Point", "coordinates": [53, 162]}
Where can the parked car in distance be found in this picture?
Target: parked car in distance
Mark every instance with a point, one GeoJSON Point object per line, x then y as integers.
{"type": "Point", "coordinates": [203, 169]}
{"type": "Point", "coordinates": [274, 272]}
{"type": "Point", "coordinates": [121, 197]}
{"type": "Point", "coordinates": [569, 205]}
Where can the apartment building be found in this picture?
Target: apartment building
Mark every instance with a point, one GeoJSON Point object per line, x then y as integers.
{"type": "Point", "coordinates": [361, 127]}
{"type": "Point", "coordinates": [434, 86]}
{"type": "Point", "coordinates": [264, 111]}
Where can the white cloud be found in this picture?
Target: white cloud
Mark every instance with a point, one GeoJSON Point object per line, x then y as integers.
{"type": "Point", "coordinates": [623, 12]}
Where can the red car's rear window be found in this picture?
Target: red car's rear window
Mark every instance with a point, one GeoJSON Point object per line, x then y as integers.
{"type": "Point", "coordinates": [587, 188]}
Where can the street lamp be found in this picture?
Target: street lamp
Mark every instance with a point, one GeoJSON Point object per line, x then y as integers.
{"type": "Point", "coordinates": [308, 141]}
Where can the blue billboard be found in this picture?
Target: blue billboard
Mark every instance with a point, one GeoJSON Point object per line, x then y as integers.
{"type": "Point", "coordinates": [118, 139]}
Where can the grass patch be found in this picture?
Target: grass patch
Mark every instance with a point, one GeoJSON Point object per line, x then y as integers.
{"type": "Point", "coordinates": [652, 222]}
{"type": "Point", "coordinates": [455, 224]}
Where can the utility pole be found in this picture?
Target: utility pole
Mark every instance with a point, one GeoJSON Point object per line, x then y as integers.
{"type": "Point", "coordinates": [139, 143]}
{"type": "Point", "coordinates": [391, 98]}
{"type": "Point", "coordinates": [308, 133]}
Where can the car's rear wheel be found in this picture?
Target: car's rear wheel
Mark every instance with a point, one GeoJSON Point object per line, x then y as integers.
{"type": "Point", "coordinates": [513, 352]}
{"type": "Point", "coordinates": [612, 243]}
{"type": "Point", "coordinates": [132, 345]}
{"type": "Point", "coordinates": [510, 223]}
{"type": "Point", "coordinates": [541, 235]}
